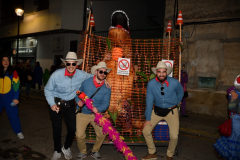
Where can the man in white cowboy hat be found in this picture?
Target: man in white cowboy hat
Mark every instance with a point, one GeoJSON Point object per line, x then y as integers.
{"type": "Point", "coordinates": [165, 93]}
{"type": "Point", "coordinates": [60, 91]}
{"type": "Point", "coordinates": [93, 87]}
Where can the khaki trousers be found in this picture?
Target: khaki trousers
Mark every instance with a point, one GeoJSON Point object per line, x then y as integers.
{"type": "Point", "coordinates": [82, 121]}
{"type": "Point", "coordinates": [173, 124]}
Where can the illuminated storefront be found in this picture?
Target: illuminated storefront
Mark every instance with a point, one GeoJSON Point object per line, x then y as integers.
{"type": "Point", "coordinates": [27, 51]}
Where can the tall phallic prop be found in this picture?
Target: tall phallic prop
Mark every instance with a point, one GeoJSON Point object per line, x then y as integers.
{"type": "Point", "coordinates": [119, 46]}
{"type": "Point", "coordinates": [113, 134]}
{"type": "Point", "coordinates": [86, 39]}
{"type": "Point", "coordinates": [91, 24]}
{"type": "Point", "coordinates": [180, 23]}
{"type": "Point", "coordinates": [169, 30]}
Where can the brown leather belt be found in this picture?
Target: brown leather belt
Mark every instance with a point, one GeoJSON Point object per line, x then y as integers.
{"type": "Point", "coordinates": [173, 107]}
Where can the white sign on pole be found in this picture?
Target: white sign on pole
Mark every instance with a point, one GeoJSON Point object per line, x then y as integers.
{"type": "Point", "coordinates": [169, 63]}
{"type": "Point", "coordinates": [123, 66]}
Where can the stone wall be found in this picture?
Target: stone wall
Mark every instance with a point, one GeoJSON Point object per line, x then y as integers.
{"type": "Point", "coordinates": [211, 43]}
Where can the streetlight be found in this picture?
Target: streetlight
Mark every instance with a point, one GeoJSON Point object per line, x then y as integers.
{"type": "Point", "coordinates": [19, 13]}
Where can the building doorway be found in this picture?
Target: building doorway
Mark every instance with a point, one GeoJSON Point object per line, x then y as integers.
{"type": "Point", "coordinates": [57, 60]}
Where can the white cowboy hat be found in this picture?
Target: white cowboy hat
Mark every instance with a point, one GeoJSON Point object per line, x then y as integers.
{"type": "Point", "coordinates": [161, 64]}
{"type": "Point", "coordinates": [100, 65]}
{"type": "Point", "coordinates": [72, 56]}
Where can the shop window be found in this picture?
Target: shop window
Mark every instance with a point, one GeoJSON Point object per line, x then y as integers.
{"type": "Point", "coordinates": [206, 82]}
{"type": "Point", "coordinates": [31, 43]}
{"type": "Point", "coordinates": [22, 43]}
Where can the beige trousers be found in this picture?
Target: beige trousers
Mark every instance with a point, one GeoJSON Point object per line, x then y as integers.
{"type": "Point", "coordinates": [173, 124]}
{"type": "Point", "coordinates": [82, 121]}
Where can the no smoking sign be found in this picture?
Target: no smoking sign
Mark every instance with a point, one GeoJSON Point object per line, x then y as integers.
{"type": "Point", "coordinates": [123, 66]}
{"type": "Point", "coordinates": [169, 63]}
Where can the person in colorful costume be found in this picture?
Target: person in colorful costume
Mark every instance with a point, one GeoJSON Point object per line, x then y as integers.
{"type": "Point", "coordinates": [101, 100]}
{"type": "Point", "coordinates": [62, 86]}
{"type": "Point", "coordinates": [165, 93]}
{"type": "Point", "coordinates": [231, 92]}
{"type": "Point", "coordinates": [9, 93]}
{"type": "Point", "coordinates": [229, 147]}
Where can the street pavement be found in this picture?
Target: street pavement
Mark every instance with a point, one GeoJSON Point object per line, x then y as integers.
{"type": "Point", "coordinates": [197, 135]}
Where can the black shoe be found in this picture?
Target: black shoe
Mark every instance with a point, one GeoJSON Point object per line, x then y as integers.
{"type": "Point", "coordinates": [26, 97]}
{"type": "Point", "coordinates": [185, 116]}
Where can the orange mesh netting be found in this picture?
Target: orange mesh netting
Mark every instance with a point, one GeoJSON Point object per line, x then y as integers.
{"type": "Point", "coordinates": [128, 93]}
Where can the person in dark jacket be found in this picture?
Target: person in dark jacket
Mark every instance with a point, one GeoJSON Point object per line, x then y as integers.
{"type": "Point", "coordinates": [37, 76]}
{"type": "Point", "coordinates": [52, 69]}
{"type": "Point", "coordinates": [184, 80]}
{"type": "Point", "coordinates": [28, 79]}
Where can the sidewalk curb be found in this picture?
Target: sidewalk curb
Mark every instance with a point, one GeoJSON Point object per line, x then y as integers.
{"type": "Point", "coordinates": [199, 133]}
{"type": "Point", "coordinates": [34, 96]}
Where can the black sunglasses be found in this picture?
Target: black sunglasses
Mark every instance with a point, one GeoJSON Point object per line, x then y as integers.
{"type": "Point", "coordinates": [73, 64]}
{"type": "Point", "coordinates": [101, 72]}
{"type": "Point", "coordinates": [162, 88]}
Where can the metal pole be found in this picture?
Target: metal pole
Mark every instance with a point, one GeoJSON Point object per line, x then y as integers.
{"type": "Point", "coordinates": [169, 44]}
{"type": "Point", "coordinates": [17, 40]}
{"type": "Point", "coordinates": [180, 55]}
{"type": "Point", "coordinates": [86, 39]}
{"type": "Point", "coordinates": [89, 41]}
